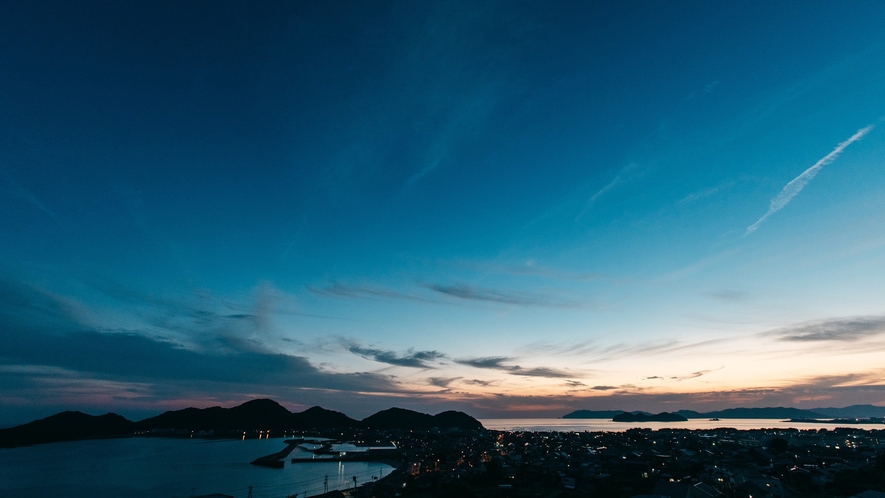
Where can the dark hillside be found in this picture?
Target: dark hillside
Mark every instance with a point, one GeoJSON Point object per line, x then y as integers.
{"type": "Point", "coordinates": [66, 426]}
{"type": "Point", "coordinates": [320, 418]}
{"type": "Point", "coordinates": [400, 418]}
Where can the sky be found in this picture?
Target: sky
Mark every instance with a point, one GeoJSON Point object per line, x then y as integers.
{"type": "Point", "coordinates": [514, 209]}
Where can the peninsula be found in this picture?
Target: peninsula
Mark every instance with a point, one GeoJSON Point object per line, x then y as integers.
{"type": "Point", "coordinates": [642, 417]}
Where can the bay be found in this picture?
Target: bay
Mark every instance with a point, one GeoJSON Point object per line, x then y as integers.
{"type": "Point", "coordinates": [165, 468]}
{"type": "Point", "coordinates": [606, 425]}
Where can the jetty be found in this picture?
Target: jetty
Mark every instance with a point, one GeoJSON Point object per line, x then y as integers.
{"type": "Point", "coordinates": [276, 460]}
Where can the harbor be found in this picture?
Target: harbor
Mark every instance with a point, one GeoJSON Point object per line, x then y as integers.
{"type": "Point", "coordinates": [327, 451]}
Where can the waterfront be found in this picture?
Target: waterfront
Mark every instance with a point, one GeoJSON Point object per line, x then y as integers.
{"type": "Point", "coordinates": [620, 462]}
{"type": "Point", "coordinates": [551, 453]}
{"type": "Point", "coordinates": [162, 467]}
{"type": "Point", "coordinates": [606, 425]}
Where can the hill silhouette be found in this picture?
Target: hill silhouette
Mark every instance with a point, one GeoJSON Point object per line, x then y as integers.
{"type": "Point", "coordinates": [257, 414]}
{"type": "Point", "coordinates": [400, 418]}
{"type": "Point", "coordinates": [320, 418]}
{"type": "Point", "coordinates": [66, 426]}
{"type": "Point", "coordinates": [642, 417]}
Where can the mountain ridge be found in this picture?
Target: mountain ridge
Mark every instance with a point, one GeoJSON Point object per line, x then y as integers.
{"type": "Point", "coordinates": [257, 414]}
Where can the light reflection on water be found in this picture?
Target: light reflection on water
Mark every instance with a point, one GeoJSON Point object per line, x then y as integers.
{"type": "Point", "coordinates": [600, 425]}
{"type": "Point", "coordinates": [160, 467]}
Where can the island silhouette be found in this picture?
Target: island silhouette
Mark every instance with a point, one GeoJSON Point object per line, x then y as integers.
{"type": "Point", "coordinates": [853, 411]}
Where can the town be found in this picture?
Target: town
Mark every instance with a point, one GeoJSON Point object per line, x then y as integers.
{"type": "Point", "coordinates": [637, 463]}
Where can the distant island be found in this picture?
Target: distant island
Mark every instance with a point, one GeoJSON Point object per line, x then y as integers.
{"type": "Point", "coordinates": [778, 413]}
{"type": "Point", "coordinates": [643, 417]}
{"type": "Point", "coordinates": [255, 415]}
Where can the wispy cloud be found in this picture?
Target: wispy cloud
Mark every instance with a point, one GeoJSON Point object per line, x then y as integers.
{"type": "Point", "coordinates": [483, 383]}
{"type": "Point", "coordinates": [364, 291]}
{"type": "Point", "coordinates": [699, 373]}
{"type": "Point", "coordinates": [623, 176]}
{"type": "Point", "coordinates": [531, 268]}
{"type": "Point", "coordinates": [443, 382]}
{"type": "Point", "coordinates": [429, 166]}
{"type": "Point", "coordinates": [550, 373]}
{"type": "Point", "coordinates": [840, 329]}
{"type": "Point", "coordinates": [14, 189]}
{"type": "Point", "coordinates": [471, 293]}
{"type": "Point", "coordinates": [412, 358]}
{"type": "Point", "coordinates": [619, 179]}
{"type": "Point", "coordinates": [493, 362]}
{"type": "Point", "coordinates": [708, 192]}
{"type": "Point", "coordinates": [598, 352]}
{"type": "Point", "coordinates": [728, 295]}
{"type": "Point", "coordinates": [796, 185]}
{"type": "Point", "coordinates": [443, 291]}
{"type": "Point", "coordinates": [498, 363]}
{"type": "Point", "coordinates": [693, 375]}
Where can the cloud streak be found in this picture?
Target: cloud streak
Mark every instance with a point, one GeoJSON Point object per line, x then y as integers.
{"type": "Point", "coordinates": [620, 178]}
{"type": "Point", "coordinates": [442, 294]}
{"type": "Point", "coordinates": [796, 185]}
{"type": "Point", "coordinates": [707, 192]}
{"type": "Point", "coordinates": [847, 329]}
{"type": "Point", "coordinates": [443, 382]}
{"type": "Point", "coordinates": [498, 363]}
{"type": "Point", "coordinates": [363, 291]}
{"type": "Point", "coordinates": [412, 358]}
{"type": "Point", "coordinates": [16, 190]}
{"type": "Point", "coordinates": [471, 293]}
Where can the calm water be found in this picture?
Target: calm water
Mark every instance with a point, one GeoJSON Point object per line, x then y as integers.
{"type": "Point", "coordinates": [586, 424]}
{"type": "Point", "coordinates": [165, 468]}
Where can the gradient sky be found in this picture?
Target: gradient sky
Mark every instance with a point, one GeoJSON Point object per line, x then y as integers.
{"type": "Point", "coordinates": [507, 208]}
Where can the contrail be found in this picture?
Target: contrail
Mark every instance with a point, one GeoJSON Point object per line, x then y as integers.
{"type": "Point", "coordinates": [797, 184]}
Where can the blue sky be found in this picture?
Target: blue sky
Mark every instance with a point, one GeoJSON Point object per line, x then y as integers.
{"type": "Point", "coordinates": [512, 209]}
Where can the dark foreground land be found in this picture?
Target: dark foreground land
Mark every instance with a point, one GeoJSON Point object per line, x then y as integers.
{"type": "Point", "coordinates": [842, 462]}
{"type": "Point", "coordinates": [451, 454]}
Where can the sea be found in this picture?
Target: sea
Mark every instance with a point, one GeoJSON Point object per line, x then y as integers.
{"type": "Point", "coordinates": [154, 467]}
{"type": "Point", "coordinates": [607, 425]}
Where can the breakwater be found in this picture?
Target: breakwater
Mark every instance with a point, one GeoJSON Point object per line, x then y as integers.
{"type": "Point", "coordinates": [325, 454]}
{"type": "Point", "coordinates": [275, 460]}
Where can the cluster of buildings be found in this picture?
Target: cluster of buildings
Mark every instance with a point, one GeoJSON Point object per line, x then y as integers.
{"type": "Point", "coordinates": [638, 463]}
